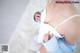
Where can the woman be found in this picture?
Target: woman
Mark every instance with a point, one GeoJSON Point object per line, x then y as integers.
{"type": "Point", "coordinates": [62, 18]}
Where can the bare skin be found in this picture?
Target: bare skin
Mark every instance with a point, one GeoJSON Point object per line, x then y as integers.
{"type": "Point", "coordinates": [43, 50]}
{"type": "Point", "coordinates": [59, 12]}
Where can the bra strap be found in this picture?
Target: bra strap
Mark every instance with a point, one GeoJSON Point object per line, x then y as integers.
{"type": "Point", "coordinates": [66, 20]}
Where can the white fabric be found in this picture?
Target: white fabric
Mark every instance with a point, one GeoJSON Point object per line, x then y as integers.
{"type": "Point", "coordinates": [43, 16]}
{"type": "Point", "coordinates": [26, 29]}
{"type": "Point", "coordinates": [45, 28]}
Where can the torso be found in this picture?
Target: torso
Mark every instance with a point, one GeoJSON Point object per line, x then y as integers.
{"type": "Point", "coordinates": [58, 13]}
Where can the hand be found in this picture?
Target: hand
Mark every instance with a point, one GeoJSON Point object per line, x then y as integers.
{"type": "Point", "coordinates": [47, 36]}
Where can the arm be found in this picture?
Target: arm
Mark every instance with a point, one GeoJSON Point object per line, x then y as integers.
{"type": "Point", "coordinates": [42, 50]}
{"type": "Point", "coordinates": [46, 37]}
